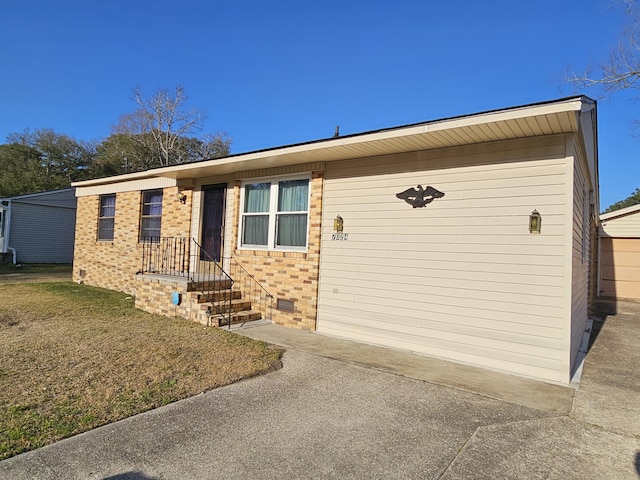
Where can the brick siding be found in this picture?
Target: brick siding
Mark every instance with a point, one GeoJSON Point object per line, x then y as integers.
{"type": "Point", "coordinates": [114, 264]}
{"type": "Point", "coordinates": [291, 276]}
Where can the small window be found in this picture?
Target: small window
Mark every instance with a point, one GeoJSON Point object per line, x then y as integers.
{"type": "Point", "coordinates": [255, 224]}
{"type": "Point", "coordinates": [151, 218]}
{"type": "Point", "coordinates": [106, 217]}
{"type": "Point", "coordinates": [291, 218]}
{"type": "Point", "coordinates": [275, 214]}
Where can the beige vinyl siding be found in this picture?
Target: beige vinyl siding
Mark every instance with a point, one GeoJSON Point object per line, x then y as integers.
{"type": "Point", "coordinates": [620, 267]}
{"type": "Point", "coordinates": [620, 253]}
{"type": "Point", "coordinates": [580, 261]}
{"type": "Point", "coordinates": [626, 226]}
{"type": "Point", "coordinates": [462, 278]}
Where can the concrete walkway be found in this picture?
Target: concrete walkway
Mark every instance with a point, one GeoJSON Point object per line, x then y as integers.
{"type": "Point", "coordinates": [338, 409]}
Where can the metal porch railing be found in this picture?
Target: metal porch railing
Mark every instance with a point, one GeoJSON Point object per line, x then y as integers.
{"type": "Point", "coordinates": [184, 257]}
{"type": "Point", "coordinates": [251, 289]}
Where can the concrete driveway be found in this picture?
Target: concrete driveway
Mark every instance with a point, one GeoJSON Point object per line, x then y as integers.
{"type": "Point", "coordinates": [327, 418]}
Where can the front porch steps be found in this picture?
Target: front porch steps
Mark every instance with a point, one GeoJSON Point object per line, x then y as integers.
{"type": "Point", "coordinates": [212, 307]}
{"type": "Point", "coordinates": [209, 301]}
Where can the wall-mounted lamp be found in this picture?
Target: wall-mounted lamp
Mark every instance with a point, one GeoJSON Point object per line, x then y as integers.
{"type": "Point", "coordinates": [535, 222]}
{"type": "Point", "coordinates": [338, 224]}
{"type": "Point", "coordinates": [182, 197]}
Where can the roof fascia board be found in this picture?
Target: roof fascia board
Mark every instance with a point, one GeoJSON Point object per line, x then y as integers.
{"type": "Point", "coordinates": [31, 195]}
{"type": "Point", "coordinates": [620, 213]}
{"type": "Point", "coordinates": [550, 108]}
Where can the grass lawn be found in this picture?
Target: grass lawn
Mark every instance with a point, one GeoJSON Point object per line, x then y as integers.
{"type": "Point", "coordinates": [73, 357]}
{"type": "Point", "coordinates": [34, 272]}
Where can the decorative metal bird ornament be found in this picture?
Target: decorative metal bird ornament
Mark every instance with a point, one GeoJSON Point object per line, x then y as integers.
{"type": "Point", "coordinates": [419, 197]}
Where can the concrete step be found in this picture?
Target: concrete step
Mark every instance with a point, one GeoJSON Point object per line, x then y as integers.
{"type": "Point", "coordinates": [236, 306]}
{"type": "Point", "coordinates": [208, 285]}
{"type": "Point", "coordinates": [215, 296]}
{"type": "Point", "coordinates": [238, 317]}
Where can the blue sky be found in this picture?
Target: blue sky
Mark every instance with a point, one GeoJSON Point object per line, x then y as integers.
{"type": "Point", "coordinates": [275, 73]}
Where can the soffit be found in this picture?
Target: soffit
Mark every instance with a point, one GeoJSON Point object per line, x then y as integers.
{"type": "Point", "coordinates": [544, 119]}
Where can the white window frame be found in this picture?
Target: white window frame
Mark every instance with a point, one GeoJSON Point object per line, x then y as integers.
{"type": "Point", "coordinates": [141, 236]}
{"type": "Point", "coordinates": [104, 218]}
{"type": "Point", "coordinates": [273, 212]}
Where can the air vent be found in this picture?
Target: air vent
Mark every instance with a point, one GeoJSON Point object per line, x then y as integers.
{"type": "Point", "coordinates": [285, 305]}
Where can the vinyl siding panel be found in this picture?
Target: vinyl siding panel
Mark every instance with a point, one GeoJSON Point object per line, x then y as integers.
{"type": "Point", "coordinates": [462, 278]}
{"type": "Point", "coordinates": [627, 226]}
{"type": "Point", "coordinates": [580, 259]}
{"type": "Point", "coordinates": [42, 233]}
{"type": "Point", "coordinates": [620, 253]}
{"type": "Point", "coordinates": [620, 267]}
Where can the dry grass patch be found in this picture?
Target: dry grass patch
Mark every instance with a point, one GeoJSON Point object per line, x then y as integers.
{"type": "Point", "coordinates": [73, 357]}
{"type": "Point", "coordinates": [34, 272]}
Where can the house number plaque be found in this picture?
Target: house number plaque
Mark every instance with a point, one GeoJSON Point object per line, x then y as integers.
{"type": "Point", "coordinates": [340, 236]}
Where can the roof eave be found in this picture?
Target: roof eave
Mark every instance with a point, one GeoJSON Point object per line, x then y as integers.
{"type": "Point", "coordinates": [557, 117]}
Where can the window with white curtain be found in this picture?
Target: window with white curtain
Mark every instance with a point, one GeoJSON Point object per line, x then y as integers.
{"type": "Point", "coordinates": [275, 214]}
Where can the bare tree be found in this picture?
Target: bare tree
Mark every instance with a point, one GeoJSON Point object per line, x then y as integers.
{"type": "Point", "coordinates": [620, 72]}
{"type": "Point", "coordinates": [622, 69]}
{"type": "Point", "coordinates": [162, 126]}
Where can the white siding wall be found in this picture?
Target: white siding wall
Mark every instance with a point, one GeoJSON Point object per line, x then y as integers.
{"type": "Point", "coordinates": [462, 278]}
{"type": "Point", "coordinates": [580, 260]}
{"type": "Point", "coordinates": [627, 226]}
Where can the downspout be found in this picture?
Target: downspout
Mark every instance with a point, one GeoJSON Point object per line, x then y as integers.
{"type": "Point", "coordinates": [7, 232]}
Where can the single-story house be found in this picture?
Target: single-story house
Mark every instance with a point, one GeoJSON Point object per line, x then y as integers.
{"type": "Point", "coordinates": [467, 238]}
{"type": "Point", "coordinates": [620, 253]}
{"type": "Point", "coordinates": [39, 227]}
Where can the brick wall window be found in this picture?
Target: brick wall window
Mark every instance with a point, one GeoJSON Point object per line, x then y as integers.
{"type": "Point", "coordinates": [151, 217]}
{"type": "Point", "coordinates": [106, 217]}
{"type": "Point", "coordinates": [275, 214]}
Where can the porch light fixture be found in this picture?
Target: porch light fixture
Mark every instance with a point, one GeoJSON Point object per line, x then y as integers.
{"type": "Point", "coordinates": [182, 197]}
{"type": "Point", "coordinates": [338, 224]}
{"type": "Point", "coordinates": [535, 222]}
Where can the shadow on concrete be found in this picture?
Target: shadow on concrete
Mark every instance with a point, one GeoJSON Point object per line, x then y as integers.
{"type": "Point", "coordinates": [637, 463]}
{"type": "Point", "coordinates": [130, 476]}
{"type": "Point", "coordinates": [598, 323]}
{"type": "Point", "coordinates": [602, 309]}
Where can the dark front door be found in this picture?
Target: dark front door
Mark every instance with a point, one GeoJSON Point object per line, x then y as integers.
{"type": "Point", "coordinates": [213, 221]}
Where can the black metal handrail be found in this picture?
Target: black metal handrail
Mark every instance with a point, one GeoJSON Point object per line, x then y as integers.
{"type": "Point", "coordinates": [261, 299]}
{"type": "Point", "coordinates": [165, 256]}
{"type": "Point", "coordinates": [184, 257]}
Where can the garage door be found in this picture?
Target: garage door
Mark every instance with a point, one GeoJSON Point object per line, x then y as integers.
{"type": "Point", "coordinates": [620, 267]}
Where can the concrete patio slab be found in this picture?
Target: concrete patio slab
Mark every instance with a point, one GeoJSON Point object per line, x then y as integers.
{"type": "Point", "coordinates": [501, 386]}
